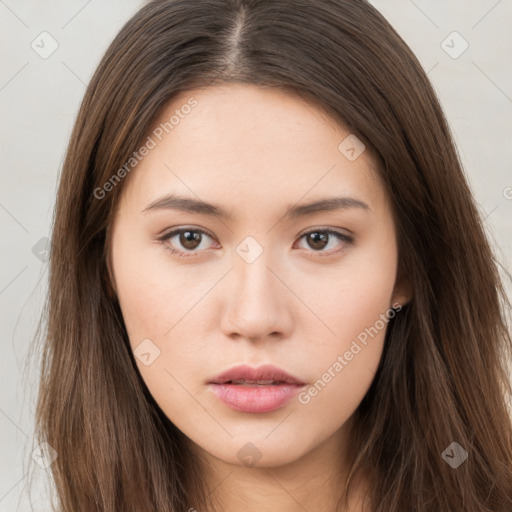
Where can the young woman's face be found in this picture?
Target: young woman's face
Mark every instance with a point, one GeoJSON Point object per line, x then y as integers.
{"type": "Point", "coordinates": [258, 278]}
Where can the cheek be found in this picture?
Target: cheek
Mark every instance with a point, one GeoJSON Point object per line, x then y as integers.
{"type": "Point", "coordinates": [160, 308]}
{"type": "Point", "coordinates": [161, 335]}
{"type": "Point", "coordinates": [152, 295]}
{"type": "Point", "coordinates": [357, 308]}
{"type": "Point", "coordinates": [352, 297]}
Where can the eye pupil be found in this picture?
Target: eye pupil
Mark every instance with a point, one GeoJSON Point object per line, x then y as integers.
{"type": "Point", "coordinates": [190, 239]}
{"type": "Point", "coordinates": [319, 240]}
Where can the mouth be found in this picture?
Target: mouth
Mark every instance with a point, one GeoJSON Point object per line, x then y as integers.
{"type": "Point", "coordinates": [265, 375]}
{"type": "Point", "coordinates": [255, 390]}
{"type": "Point", "coordinates": [243, 382]}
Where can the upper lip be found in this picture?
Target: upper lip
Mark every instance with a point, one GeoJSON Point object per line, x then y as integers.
{"type": "Point", "coordinates": [266, 372]}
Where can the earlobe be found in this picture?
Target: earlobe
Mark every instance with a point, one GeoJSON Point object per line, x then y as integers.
{"type": "Point", "coordinates": [398, 304]}
{"type": "Point", "coordinates": [402, 295]}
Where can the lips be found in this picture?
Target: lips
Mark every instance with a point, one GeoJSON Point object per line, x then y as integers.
{"type": "Point", "coordinates": [265, 375]}
{"type": "Point", "coordinates": [255, 390]}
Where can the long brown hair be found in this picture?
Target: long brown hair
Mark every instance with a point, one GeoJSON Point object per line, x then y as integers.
{"type": "Point", "coordinates": [442, 377]}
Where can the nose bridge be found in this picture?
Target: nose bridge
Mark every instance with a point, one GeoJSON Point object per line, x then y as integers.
{"type": "Point", "coordinates": [256, 305]}
{"type": "Point", "coordinates": [255, 288]}
{"type": "Point", "coordinates": [253, 279]}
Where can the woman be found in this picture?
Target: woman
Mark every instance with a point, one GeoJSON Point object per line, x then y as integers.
{"type": "Point", "coordinates": [270, 287]}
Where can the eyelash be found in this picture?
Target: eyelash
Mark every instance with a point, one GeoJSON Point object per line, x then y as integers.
{"type": "Point", "coordinates": [348, 240]}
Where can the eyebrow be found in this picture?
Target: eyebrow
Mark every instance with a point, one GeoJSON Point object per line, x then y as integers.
{"type": "Point", "coordinates": [190, 205]}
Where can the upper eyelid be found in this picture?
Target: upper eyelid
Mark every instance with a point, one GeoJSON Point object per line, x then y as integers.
{"type": "Point", "coordinates": [336, 231]}
{"type": "Point", "coordinates": [174, 231]}
{"type": "Point", "coordinates": [204, 230]}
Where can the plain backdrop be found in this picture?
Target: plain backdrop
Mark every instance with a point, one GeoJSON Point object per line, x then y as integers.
{"type": "Point", "coordinates": [49, 51]}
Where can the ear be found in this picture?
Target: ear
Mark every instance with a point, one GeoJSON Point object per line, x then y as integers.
{"type": "Point", "coordinates": [403, 292]}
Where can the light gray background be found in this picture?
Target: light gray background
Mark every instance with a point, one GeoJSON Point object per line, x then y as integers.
{"type": "Point", "coordinates": [39, 98]}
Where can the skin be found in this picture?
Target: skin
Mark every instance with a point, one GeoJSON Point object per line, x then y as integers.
{"type": "Point", "coordinates": [254, 152]}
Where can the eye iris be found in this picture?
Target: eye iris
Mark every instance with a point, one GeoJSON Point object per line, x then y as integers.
{"type": "Point", "coordinates": [190, 239]}
{"type": "Point", "coordinates": [317, 240]}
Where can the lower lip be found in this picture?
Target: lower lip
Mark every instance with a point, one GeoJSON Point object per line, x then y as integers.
{"type": "Point", "coordinates": [255, 399]}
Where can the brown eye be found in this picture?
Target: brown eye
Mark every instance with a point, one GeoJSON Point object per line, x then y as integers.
{"type": "Point", "coordinates": [186, 241]}
{"type": "Point", "coordinates": [319, 239]}
{"type": "Point", "coordinates": [190, 239]}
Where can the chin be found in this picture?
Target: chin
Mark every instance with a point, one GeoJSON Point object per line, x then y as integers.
{"type": "Point", "coordinates": [258, 452]}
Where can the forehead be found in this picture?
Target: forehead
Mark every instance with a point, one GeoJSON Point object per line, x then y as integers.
{"type": "Point", "coordinates": [244, 143]}
{"type": "Point", "coordinates": [235, 112]}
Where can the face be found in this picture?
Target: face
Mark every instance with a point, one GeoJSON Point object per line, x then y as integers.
{"type": "Point", "coordinates": [258, 277]}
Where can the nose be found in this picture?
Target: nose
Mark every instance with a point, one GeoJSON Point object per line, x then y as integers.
{"type": "Point", "coordinates": [258, 304]}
